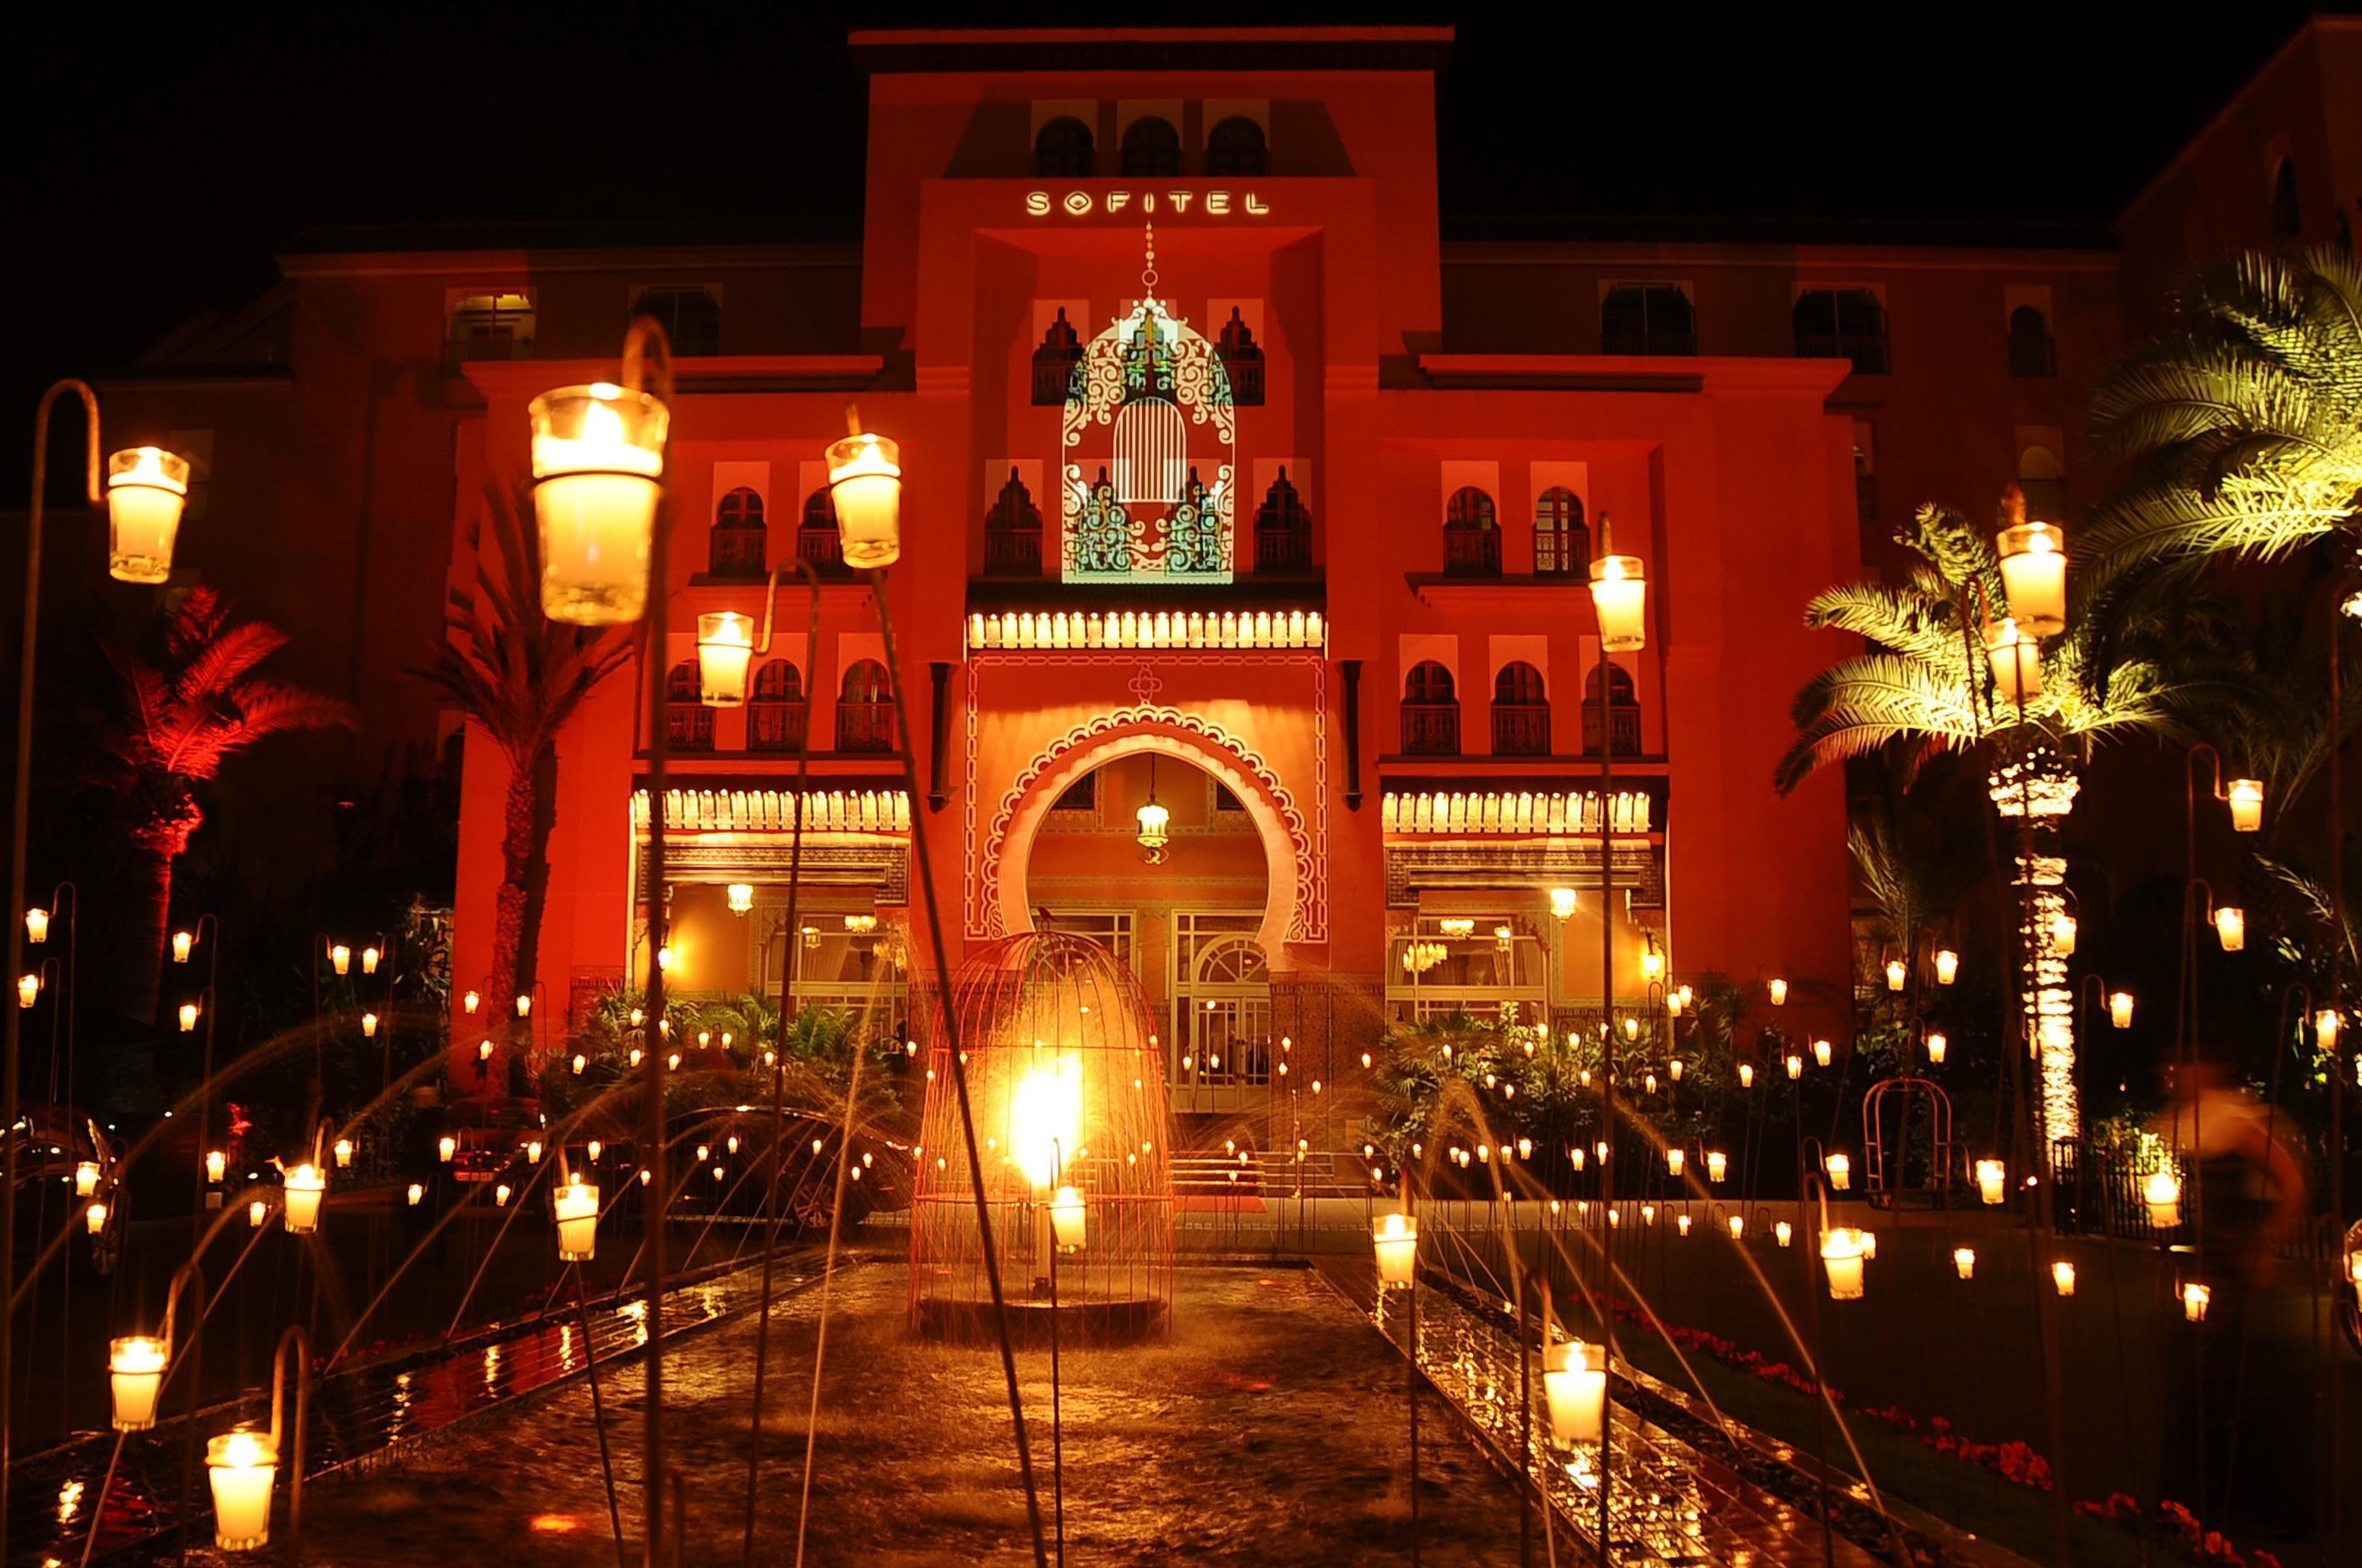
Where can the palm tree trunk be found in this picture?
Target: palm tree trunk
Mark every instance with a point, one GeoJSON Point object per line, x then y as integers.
{"type": "Point", "coordinates": [509, 908]}
{"type": "Point", "coordinates": [142, 969]}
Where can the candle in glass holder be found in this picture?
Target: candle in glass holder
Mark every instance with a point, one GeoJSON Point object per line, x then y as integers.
{"type": "Point", "coordinates": [726, 648]}
{"type": "Point", "coordinates": [1779, 990]}
{"type": "Point", "coordinates": [577, 1220]}
{"type": "Point", "coordinates": [305, 1184]}
{"type": "Point", "coordinates": [216, 1166]}
{"type": "Point", "coordinates": [2162, 1193]}
{"type": "Point", "coordinates": [1840, 1170]}
{"type": "Point", "coordinates": [1991, 1175]}
{"type": "Point", "coordinates": [2247, 798]}
{"type": "Point", "coordinates": [242, 1466]}
{"type": "Point", "coordinates": [2231, 928]}
{"type": "Point", "coordinates": [1841, 1255]}
{"type": "Point", "coordinates": [343, 1152]}
{"type": "Point", "coordinates": [1718, 1165]}
{"type": "Point", "coordinates": [2034, 576]}
{"type": "Point", "coordinates": [1964, 1259]}
{"type": "Point", "coordinates": [1896, 974]}
{"type": "Point", "coordinates": [181, 941]}
{"type": "Point", "coordinates": [85, 1179]}
{"type": "Point", "coordinates": [341, 959]}
{"type": "Point", "coordinates": [865, 478]}
{"type": "Point", "coordinates": [1576, 1395]}
{"type": "Point", "coordinates": [94, 1218]}
{"type": "Point", "coordinates": [1396, 1240]}
{"type": "Point", "coordinates": [417, 1194]}
{"type": "Point", "coordinates": [146, 488]}
{"type": "Point", "coordinates": [1784, 1232]}
{"type": "Point", "coordinates": [1947, 967]}
{"type": "Point", "coordinates": [2017, 662]}
{"type": "Point", "coordinates": [1066, 1218]}
{"type": "Point", "coordinates": [2195, 1299]}
{"type": "Point", "coordinates": [2062, 1275]}
{"type": "Point", "coordinates": [2120, 1008]}
{"type": "Point", "coordinates": [1739, 1227]}
{"type": "Point", "coordinates": [1620, 589]}
{"type": "Point", "coordinates": [598, 459]}
{"type": "Point", "coordinates": [188, 1017]}
{"type": "Point", "coordinates": [1936, 1045]}
{"type": "Point", "coordinates": [1796, 1067]}
{"type": "Point", "coordinates": [445, 1147]}
{"type": "Point", "coordinates": [135, 1366]}
{"type": "Point", "coordinates": [256, 1212]}
{"type": "Point", "coordinates": [1821, 1051]}
{"type": "Point", "coordinates": [1746, 1075]}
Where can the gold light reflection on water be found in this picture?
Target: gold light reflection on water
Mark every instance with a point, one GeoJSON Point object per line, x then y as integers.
{"type": "Point", "coordinates": [566, 1346]}
{"type": "Point", "coordinates": [491, 1369]}
{"type": "Point", "coordinates": [69, 1502]}
{"type": "Point", "coordinates": [402, 1400]}
{"type": "Point", "coordinates": [637, 1311]}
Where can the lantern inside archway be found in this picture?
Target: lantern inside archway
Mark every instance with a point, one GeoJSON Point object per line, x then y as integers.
{"type": "Point", "coordinates": [1067, 1089]}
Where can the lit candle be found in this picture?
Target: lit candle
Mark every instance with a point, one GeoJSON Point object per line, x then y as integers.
{"type": "Point", "coordinates": [1683, 1220]}
{"type": "Point", "coordinates": [2017, 662]}
{"type": "Point", "coordinates": [1673, 1069]}
{"type": "Point", "coordinates": [1795, 1067]}
{"type": "Point", "coordinates": [1746, 1075]}
{"type": "Point", "coordinates": [1948, 965]}
{"type": "Point", "coordinates": [1821, 1052]}
{"type": "Point", "coordinates": [2162, 1193]}
{"type": "Point", "coordinates": [446, 1147]}
{"type": "Point", "coordinates": [580, 1062]}
{"type": "Point", "coordinates": [1779, 990]}
{"type": "Point", "coordinates": [865, 477]}
{"type": "Point", "coordinates": [470, 1002]}
{"type": "Point", "coordinates": [28, 990]}
{"type": "Point", "coordinates": [145, 488]}
{"type": "Point", "coordinates": [485, 1049]}
{"type": "Point", "coordinates": [597, 453]}
{"type": "Point", "coordinates": [188, 1016]}
{"type": "Point", "coordinates": [594, 1149]}
{"type": "Point", "coordinates": [135, 1366]}
{"type": "Point", "coordinates": [216, 1166]}
{"type": "Point", "coordinates": [1718, 1165]}
{"type": "Point", "coordinates": [1739, 1227]}
{"type": "Point", "coordinates": [1936, 1045]}
{"type": "Point", "coordinates": [1991, 1175]}
{"type": "Point", "coordinates": [85, 1179]}
{"type": "Point", "coordinates": [1674, 1160]}
{"type": "Point", "coordinates": [2231, 928]}
{"type": "Point", "coordinates": [1618, 594]}
{"type": "Point", "coordinates": [1784, 1232]}
{"type": "Point", "coordinates": [368, 1026]}
{"type": "Point", "coordinates": [182, 943]}
{"type": "Point", "coordinates": [726, 648]}
{"type": "Point", "coordinates": [2247, 798]}
{"type": "Point", "coordinates": [2034, 576]}
{"type": "Point", "coordinates": [256, 1212]}
{"type": "Point", "coordinates": [94, 1218]}
{"type": "Point", "coordinates": [1895, 974]}
{"type": "Point", "coordinates": [1576, 1395]}
{"type": "Point", "coordinates": [341, 959]}
{"type": "Point", "coordinates": [304, 1186]}
{"type": "Point", "coordinates": [577, 1220]}
{"type": "Point", "coordinates": [501, 1195]}
{"type": "Point", "coordinates": [37, 926]}
{"type": "Point", "coordinates": [1396, 1240]}
{"type": "Point", "coordinates": [1840, 1169]}
{"type": "Point", "coordinates": [1964, 1259]}
{"type": "Point", "coordinates": [369, 960]}
{"type": "Point", "coordinates": [1066, 1218]}
{"type": "Point", "coordinates": [2195, 1299]}
{"type": "Point", "coordinates": [533, 1152]}
{"type": "Point", "coordinates": [2324, 1029]}
{"type": "Point", "coordinates": [524, 1006]}
{"type": "Point", "coordinates": [1841, 1255]}
{"type": "Point", "coordinates": [2062, 1275]}
{"type": "Point", "coordinates": [242, 1466]}
{"type": "Point", "coordinates": [344, 1151]}
{"type": "Point", "coordinates": [2120, 1009]}
{"type": "Point", "coordinates": [417, 1192]}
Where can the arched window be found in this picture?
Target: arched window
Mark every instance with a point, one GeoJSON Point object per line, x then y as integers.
{"type": "Point", "coordinates": [1055, 359]}
{"type": "Point", "coordinates": [864, 709]}
{"type": "Point", "coordinates": [1242, 361]}
{"type": "Point", "coordinates": [1063, 150]}
{"type": "Point", "coordinates": [739, 545]}
{"type": "Point", "coordinates": [688, 722]}
{"type": "Point", "coordinates": [1472, 537]}
{"type": "Point", "coordinates": [1283, 531]}
{"type": "Point", "coordinates": [1623, 717]}
{"type": "Point", "coordinates": [2288, 214]}
{"type": "Point", "coordinates": [1236, 146]}
{"type": "Point", "coordinates": [1012, 533]}
{"type": "Point", "coordinates": [775, 715]}
{"type": "Point", "coordinates": [1647, 318]}
{"type": "Point", "coordinates": [2031, 352]}
{"type": "Point", "coordinates": [2042, 479]}
{"type": "Point", "coordinates": [691, 319]}
{"type": "Point", "coordinates": [1151, 145]}
{"type": "Point", "coordinates": [816, 536]}
{"type": "Point", "coordinates": [1843, 324]}
{"type": "Point", "coordinates": [1562, 542]}
{"type": "Point", "coordinates": [1520, 712]}
{"type": "Point", "coordinates": [1430, 713]}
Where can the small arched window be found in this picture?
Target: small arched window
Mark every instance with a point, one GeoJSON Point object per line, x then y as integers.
{"type": "Point", "coordinates": [1236, 146]}
{"type": "Point", "coordinates": [1622, 720]}
{"type": "Point", "coordinates": [2288, 212]}
{"type": "Point", "coordinates": [2042, 479]}
{"type": "Point", "coordinates": [1151, 146]}
{"type": "Point", "coordinates": [1520, 712]}
{"type": "Point", "coordinates": [2031, 352]}
{"type": "Point", "coordinates": [1012, 532]}
{"type": "Point", "coordinates": [739, 544]}
{"type": "Point", "coordinates": [1431, 712]}
{"type": "Point", "coordinates": [775, 717]}
{"type": "Point", "coordinates": [1562, 542]}
{"type": "Point", "coordinates": [688, 722]}
{"type": "Point", "coordinates": [816, 536]}
{"type": "Point", "coordinates": [1472, 534]}
{"type": "Point", "coordinates": [1055, 361]}
{"type": "Point", "coordinates": [864, 709]}
{"type": "Point", "coordinates": [1063, 150]}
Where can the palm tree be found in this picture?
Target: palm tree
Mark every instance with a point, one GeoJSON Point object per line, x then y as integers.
{"type": "Point", "coordinates": [2245, 423]}
{"type": "Point", "coordinates": [519, 676]}
{"type": "Point", "coordinates": [183, 716]}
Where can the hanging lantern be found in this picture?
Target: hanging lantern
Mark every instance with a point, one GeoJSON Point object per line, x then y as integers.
{"type": "Point", "coordinates": [1841, 1255]}
{"type": "Point", "coordinates": [1674, 1002]}
{"type": "Point", "coordinates": [865, 479]}
{"type": "Point", "coordinates": [1562, 903]}
{"type": "Point", "coordinates": [134, 1368]}
{"type": "Point", "coordinates": [1936, 1045]}
{"type": "Point", "coordinates": [577, 1204]}
{"type": "Point", "coordinates": [726, 648]}
{"type": "Point", "coordinates": [501, 1195]}
{"type": "Point", "coordinates": [742, 897]}
{"type": "Point", "coordinates": [2195, 1299]}
{"type": "Point", "coordinates": [1683, 1222]}
{"type": "Point", "coordinates": [1066, 1214]}
{"type": "Point", "coordinates": [2120, 1009]}
{"type": "Point", "coordinates": [635, 1056]}
{"type": "Point", "coordinates": [470, 1002]}
{"type": "Point", "coordinates": [188, 1016]}
{"type": "Point", "coordinates": [368, 1026]}
{"type": "Point", "coordinates": [2062, 1275]}
{"type": "Point", "coordinates": [344, 1151]}
{"type": "Point", "coordinates": [1779, 990]}
{"type": "Point", "coordinates": [85, 1179]}
{"type": "Point", "coordinates": [446, 1147]}
{"type": "Point", "coordinates": [256, 1212]}
{"type": "Point", "coordinates": [598, 467]}
{"type": "Point", "coordinates": [580, 1062]}
{"type": "Point", "coordinates": [2231, 928]}
{"type": "Point", "coordinates": [37, 926]}
{"type": "Point", "coordinates": [2034, 576]}
{"type": "Point", "coordinates": [1396, 1240]}
{"type": "Point", "coordinates": [1620, 589]}
{"type": "Point", "coordinates": [524, 1006]}
{"type": "Point", "coordinates": [1673, 1069]}
{"type": "Point", "coordinates": [1993, 1176]}
{"type": "Point", "coordinates": [1964, 1259]}
{"type": "Point", "coordinates": [1746, 1075]}
{"type": "Point", "coordinates": [1895, 974]}
{"type": "Point", "coordinates": [1796, 1067]}
{"type": "Point", "coordinates": [216, 1166]}
{"type": "Point", "coordinates": [1155, 820]}
{"type": "Point", "coordinates": [1576, 1395]}
{"type": "Point", "coordinates": [533, 1152]}
{"type": "Point", "coordinates": [341, 959]}
{"type": "Point", "coordinates": [1948, 965]}
{"type": "Point", "coordinates": [369, 960]}
{"type": "Point", "coordinates": [304, 1186]}
{"type": "Point", "coordinates": [2247, 798]}
{"type": "Point", "coordinates": [28, 990]}
{"type": "Point", "coordinates": [1652, 965]}
{"type": "Point", "coordinates": [417, 1192]}
{"type": "Point", "coordinates": [1840, 1171]}
{"type": "Point", "coordinates": [242, 1466]}
{"type": "Point", "coordinates": [2324, 1029]}
{"type": "Point", "coordinates": [2017, 663]}
{"type": "Point", "coordinates": [1784, 1232]}
{"type": "Point", "coordinates": [1674, 1160]}
{"type": "Point", "coordinates": [1821, 1051]}
{"type": "Point", "coordinates": [485, 1049]}
{"type": "Point", "coordinates": [94, 1218]}
{"type": "Point", "coordinates": [182, 943]}
{"type": "Point", "coordinates": [1718, 1165]}
{"type": "Point", "coordinates": [145, 488]}
{"type": "Point", "coordinates": [1739, 1227]}
{"type": "Point", "coordinates": [594, 1149]}
{"type": "Point", "coordinates": [2162, 1193]}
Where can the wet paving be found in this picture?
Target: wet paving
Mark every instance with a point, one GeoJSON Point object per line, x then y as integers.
{"type": "Point", "coordinates": [1268, 1427]}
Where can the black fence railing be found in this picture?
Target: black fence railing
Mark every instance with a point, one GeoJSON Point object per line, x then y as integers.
{"type": "Point", "coordinates": [1430, 729]}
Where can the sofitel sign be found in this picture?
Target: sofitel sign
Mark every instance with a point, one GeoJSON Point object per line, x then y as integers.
{"type": "Point", "coordinates": [1083, 204]}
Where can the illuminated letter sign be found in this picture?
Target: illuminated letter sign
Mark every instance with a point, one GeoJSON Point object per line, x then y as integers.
{"type": "Point", "coordinates": [1110, 204]}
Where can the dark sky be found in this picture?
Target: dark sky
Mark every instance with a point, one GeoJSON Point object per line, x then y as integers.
{"type": "Point", "coordinates": [158, 163]}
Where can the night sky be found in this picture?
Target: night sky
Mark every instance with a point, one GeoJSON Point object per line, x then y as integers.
{"type": "Point", "coordinates": [159, 163]}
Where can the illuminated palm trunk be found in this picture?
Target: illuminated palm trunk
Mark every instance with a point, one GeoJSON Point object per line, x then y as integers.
{"type": "Point", "coordinates": [2034, 798]}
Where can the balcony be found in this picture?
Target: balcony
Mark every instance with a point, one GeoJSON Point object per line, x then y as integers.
{"type": "Point", "coordinates": [1642, 344]}
{"type": "Point", "coordinates": [1521, 729]}
{"type": "Point", "coordinates": [1282, 552]}
{"type": "Point", "coordinates": [1623, 727]}
{"type": "Point", "coordinates": [739, 552]}
{"type": "Point", "coordinates": [1471, 552]}
{"type": "Point", "coordinates": [824, 548]}
{"type": "Point", "coordinates": [688, 726]}
{"type": "Point", "coordinates": [1012, 552]}
{"type": "Point", "coordinates": [1430, 729]}
{"type": "Point", "coordinates": [865, 726]}
{"type": "Point", "coordinates": [777, 726]}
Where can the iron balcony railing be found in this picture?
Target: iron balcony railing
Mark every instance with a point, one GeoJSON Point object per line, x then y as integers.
{"type": "Point", "coordinates": [1430, 729]}
{"type": "Point", "coordinates": [1521, 729]}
